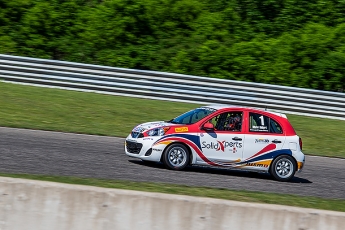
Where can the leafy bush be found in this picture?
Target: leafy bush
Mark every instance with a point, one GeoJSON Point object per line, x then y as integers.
{"type": "Point", "coordinates": [293, 43]}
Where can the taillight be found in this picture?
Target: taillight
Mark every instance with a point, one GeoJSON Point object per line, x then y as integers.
{"type": "Point", "coordinates": [300, 143]}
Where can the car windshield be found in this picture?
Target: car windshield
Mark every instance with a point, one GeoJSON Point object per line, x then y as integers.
{"type": "Point", "coordinates": [193, 116]}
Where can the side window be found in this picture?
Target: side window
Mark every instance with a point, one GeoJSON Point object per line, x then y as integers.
{"type": "Point", "coordinates": [261, 123]}
{"type": "Point", "coordinates": [229, 121]}
{"type": "Point", "coordinates": [275, 127]}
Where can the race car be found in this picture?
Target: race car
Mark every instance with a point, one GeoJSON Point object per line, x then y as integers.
{"type": "Point", "coordinates": [221, 136]}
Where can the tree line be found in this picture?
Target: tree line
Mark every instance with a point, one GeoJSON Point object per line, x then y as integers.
{"type": "Point", "coordinates": [287, 42]}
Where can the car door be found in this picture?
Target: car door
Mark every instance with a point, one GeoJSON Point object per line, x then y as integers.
{"type": "Point", "coordinates": [264, 136]}
{"type": "Point", "coordinates": [224, 144]}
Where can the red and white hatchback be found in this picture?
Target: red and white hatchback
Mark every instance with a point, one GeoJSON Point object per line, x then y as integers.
{"type": "Point", "coordinates": [221, 136]}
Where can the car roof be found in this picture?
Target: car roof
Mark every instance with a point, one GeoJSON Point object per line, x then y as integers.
{"type": "Point", "coordinates": [219, 106]}
{"type": "Point", "coordinates": [224, 106]}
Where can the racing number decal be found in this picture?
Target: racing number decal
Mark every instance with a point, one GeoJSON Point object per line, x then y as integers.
{"type": "Point", "coordinates": [262, 120]}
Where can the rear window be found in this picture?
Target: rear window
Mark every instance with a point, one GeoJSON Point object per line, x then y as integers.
{"type": "Point", "coordinates": [261, 123]}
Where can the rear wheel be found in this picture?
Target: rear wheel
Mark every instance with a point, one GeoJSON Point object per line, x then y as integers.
{"type": "Point", "coordinates": [283, 168]}
{"type": "Point", "coordinates": [176, 156]}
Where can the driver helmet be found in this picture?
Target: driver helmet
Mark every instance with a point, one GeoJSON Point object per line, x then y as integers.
{"type": "Point", "coordinates": [234, 121]}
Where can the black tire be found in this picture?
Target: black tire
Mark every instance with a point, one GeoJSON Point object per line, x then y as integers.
{"type": "Point", "coordinates": [283, 168]}
{"type": "Point", "coordinates": [176, 156]}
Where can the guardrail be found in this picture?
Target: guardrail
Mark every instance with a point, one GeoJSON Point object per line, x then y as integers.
{"type": "Point", "coordinates": [169, 86]}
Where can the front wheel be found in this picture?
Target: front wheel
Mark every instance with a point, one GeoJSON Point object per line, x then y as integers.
{"type": "Point", "coordinates": [283, 168]}
{"type": "Point", "coordinates": [176, 156]}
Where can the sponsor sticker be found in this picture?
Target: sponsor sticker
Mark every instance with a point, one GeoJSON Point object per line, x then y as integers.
{"type": "Point", "coordinates": [257, 165]}
{"type": "Point", "coordinates": [262, 141]}
{"type": "Point", "coordinates": [148, 139]}
{"type": "Point", "coordinates": [260, 128]}
{"type": "Point", "coordinates": [138, 129]}
{"type": "Point", "coordinates": [222, 145]}
{"type": "Point", "coordinates": [181, 129]}
{"type": "Point", "coordinates": [132, 140]}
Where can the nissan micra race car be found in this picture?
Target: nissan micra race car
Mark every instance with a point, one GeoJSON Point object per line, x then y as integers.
{"type": "Point", "coordinates": [221, 136]}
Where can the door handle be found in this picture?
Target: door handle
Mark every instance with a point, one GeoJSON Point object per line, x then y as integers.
{"type": "Point", "coordinates": [276, 141]}
{"type": "Point", "coordinates": [237, 139]}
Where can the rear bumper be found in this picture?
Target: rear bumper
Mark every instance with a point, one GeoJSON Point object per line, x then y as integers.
{"type": "Point", "coordinates": [300, 165]}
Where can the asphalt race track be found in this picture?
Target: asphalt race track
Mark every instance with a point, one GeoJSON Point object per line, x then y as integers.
{"type": "Point", "coordinates": [53, 153]}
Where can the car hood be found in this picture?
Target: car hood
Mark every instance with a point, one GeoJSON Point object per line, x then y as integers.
{"type": "Point", "coordinates": [150, 125]}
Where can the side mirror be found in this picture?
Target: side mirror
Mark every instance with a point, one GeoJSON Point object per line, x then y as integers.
{"type": "Point", "coordinates": [208, 126]}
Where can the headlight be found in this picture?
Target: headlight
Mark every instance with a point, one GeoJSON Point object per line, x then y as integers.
{"type": "Point", "coordinates": [157, 131]}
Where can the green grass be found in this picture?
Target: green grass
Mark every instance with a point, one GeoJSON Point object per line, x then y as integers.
{"type": "Point", "coordinates": [79, 112]}
{"type": "Point", "coordinates": [246, 196]}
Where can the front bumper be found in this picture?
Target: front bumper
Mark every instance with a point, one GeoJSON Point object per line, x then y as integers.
{"type": "Point", "coordinates": [143, 148]}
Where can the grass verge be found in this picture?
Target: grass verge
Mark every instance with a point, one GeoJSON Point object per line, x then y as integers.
{"type": "Point", "coordinates": [79, 112]}
{"type": "Point", "coordinates": [246, 196]}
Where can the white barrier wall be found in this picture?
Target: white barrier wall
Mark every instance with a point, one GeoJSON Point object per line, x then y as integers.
{"type": "Point", "coordinates": [37, 205]}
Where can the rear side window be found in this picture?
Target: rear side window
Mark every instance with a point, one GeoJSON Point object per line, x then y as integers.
{"type": "Point", "coordinates": [261, 123]}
